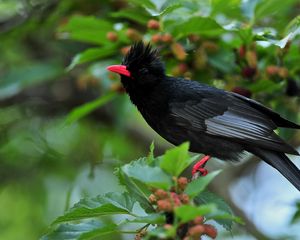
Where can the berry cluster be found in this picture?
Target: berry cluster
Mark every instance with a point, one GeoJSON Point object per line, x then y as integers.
{"type": "Point", "coordinates": [168, 201]}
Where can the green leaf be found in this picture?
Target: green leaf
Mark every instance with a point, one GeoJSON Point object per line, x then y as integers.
{"type": "Point", "coordinates": [175, 160]}
{"type": "Point", "coordinates": [188, 212]}
{"type": "Point", "coordinates": [108, 204]}
{"type": "Point", "coordinates": [92, 54]}
{"type": "Point", "coordinates": [148, 4]}
{"type": "Point", "coordinates": [84, 230]}
{"type": "Point", "coordinates": [26, 76]}
{"type": "Point", "coordinates": [87, 29]}
{"type": "Point", "coordinates": [197, 186]}
{"type": "Point", "coordinates": [267, 8]}
{"type": "Point", "coordinates": [265, 85]}
{"type": "Point", "coordinates": [153, 218]}
{"type": "Point", "coordinates": [136, 189]}
{"type": "Point", "coordinates": [151, 176]}
{"type": "Point", "coordinates": [194, 25]}
{"type": "Point", "coordinates": [296, 216]}
{"type": "Point", "coordinates": [89, 107]}
{"type": "Point", "coordinates": [223, 215]}
{"type": "Point", "coordinates": [167, 10]}
{"type": "Point", "coordinates": [135, 14]}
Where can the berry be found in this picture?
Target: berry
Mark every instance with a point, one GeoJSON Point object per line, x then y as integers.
{"type": "Point", "coordinates": [248, 72]}
{"type": "Point", "coordinates": [194, 38]}
{"type": "Point", "coordinates": [251, 58]}
{"type": "Point", "coordinates": [272, 70]}
{"type": "Point", "coordinates": [175, 199]}
{"type": "Point", "coordinates": [168, 226]}
{"type": "Point", "coordinates": [283, 72]}
{"type": "Point", "coordinates": [152, 198]}
{"type": "Point", "coordinates": [184, 198]}
{"type": "Point", "coordinates": [242, 51]}
{"type": "Point", "coordinates": [242, 91]}
{"type": "Point", "coordinates": [167, 38]}
{"type": "Point", "coordinates": [210, 231]}
{"type": "Point", "coordinates": [112, 36]}
{"type": "Point", "coordinates": [156, 38]}
{"type": "Point", "coordinates": [196, 231]}
{"type": "Point", "coordinates": [198, 220]}
{"type": "Point", "coordinates": [125, 50]}
{"type": "Point", "coordinates": [161, 194]}
{"type": "Point", "coordinates": [182, 182]}
{"type": "Point", "coordinates": [164, 205]}
{"type": "Point", "coordinates": [210, 46]}
{"type": "Point", "coordinates": [153, 24]}
{"type": "Point", "coordinates": [178, 51]}
{"type": "Point", "coordinates": [133, 34]}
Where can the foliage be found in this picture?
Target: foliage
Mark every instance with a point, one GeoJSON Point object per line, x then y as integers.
{"type": "Point", "coordinates": [65, 122]}
{"type": "Point", "coordinates": [171, 206]}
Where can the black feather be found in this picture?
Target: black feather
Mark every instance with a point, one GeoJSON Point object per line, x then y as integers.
{"type": "Point", "coordinates": [217, 123]}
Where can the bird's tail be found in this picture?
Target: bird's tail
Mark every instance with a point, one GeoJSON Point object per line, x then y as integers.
{"type": "Point", "coordinates": [282, 163]}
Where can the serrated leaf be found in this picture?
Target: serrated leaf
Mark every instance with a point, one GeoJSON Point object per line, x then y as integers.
{"type": "Point", "coordinates": [92, 54]}
{"type": "Point", "coordinates": [153, 218]}
{"type": "Point", "coordinates": [194, 25]}
{"type": "Point", "coordinates": [167, 10]}
{"type": "Point", "coordinates": [197, 186]}
{"type": "Point", "coordinates": [151, 176]}
{"type": "Point", "coordinates": [108, 204]}
{"type": "Point", "coordinates": [223, 215]}
{"type": "Point", "coordinates": [87, 108]}
{"type": "Point", "coordinates": [84, 230]}
{"type": "Point", "coordinates": [136, 189]}
{"type": "Point", "coordinates": [87, 29]}
{"type": "Point", "coordinates": [187, 213]}
{"type": "Point", "coordinates": [175, 160]}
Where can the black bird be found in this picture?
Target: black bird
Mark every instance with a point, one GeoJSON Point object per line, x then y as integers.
{"type": "Point", "coordinates": [217, 123]}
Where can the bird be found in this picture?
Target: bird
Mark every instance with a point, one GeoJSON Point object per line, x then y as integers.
{"type": "Point", "coordinates": [216, 123]}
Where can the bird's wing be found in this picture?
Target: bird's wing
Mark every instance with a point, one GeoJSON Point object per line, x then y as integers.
{"type": "Point", "coordinates": [227, 116]}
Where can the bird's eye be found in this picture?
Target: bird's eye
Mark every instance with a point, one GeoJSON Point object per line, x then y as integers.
{"type": "Point", "coordinates": [143, 70]}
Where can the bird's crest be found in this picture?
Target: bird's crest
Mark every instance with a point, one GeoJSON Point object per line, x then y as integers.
{"type": "Point", "coordinates": [141, 55]}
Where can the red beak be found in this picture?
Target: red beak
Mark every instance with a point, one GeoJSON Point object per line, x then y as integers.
{"type": "Point", "coordinates": [121, 69]}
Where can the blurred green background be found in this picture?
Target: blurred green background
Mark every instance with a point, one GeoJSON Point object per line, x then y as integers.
{"type": "Point", "coordinates": [65, 122]}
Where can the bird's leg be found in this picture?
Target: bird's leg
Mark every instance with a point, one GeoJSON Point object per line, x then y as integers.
{"type": "Point", "coordinates": [199, 167]}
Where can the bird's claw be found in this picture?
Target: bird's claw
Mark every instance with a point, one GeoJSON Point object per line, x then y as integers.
{"type": "Point", "coordinates": [198, 168]}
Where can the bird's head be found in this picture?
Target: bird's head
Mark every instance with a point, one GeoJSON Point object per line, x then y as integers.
{"type": "Point", "coordinates": [141, 67]}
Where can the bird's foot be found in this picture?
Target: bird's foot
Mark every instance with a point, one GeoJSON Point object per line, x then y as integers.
{"type": "Point", "coordinates": [198, 168]}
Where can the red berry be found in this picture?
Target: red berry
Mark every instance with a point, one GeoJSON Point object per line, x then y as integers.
{"type": "Point", "coordinates": [184, 198]}
{"type": "Point", "coordinates": [164, 205]}
{"type": "Point", "coordinates": [272, 70]}
{"type": "Point", "coordinates": [196, 231]}
{"type": "Point", "coordinates": [248, 72]}
{"type": "Point", "coordinates": [198, 220]}
{"type": "Point", "coordinates": [182, 181]}
{"type": "Point", "coordinates": [242, 51]}
{"type": "Point", "coordinates": [175, 199]}
{"type": "Point", "coordinates": [156, 38]}
{"type": "Point", "coordinates": [153, 24]}
{"type": "Point", "coordinates": [125, 50]}
{"type": "Point", "coordinates": [242, 91]}
{"type": "Point", "coordinates": [210, 231]}
{"type": "Point", "coordinates": [167, 38]}
{"type": "Point", "coordinates": [112, 36]}
{"type": "Point", "coordinates": [161, 194]}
